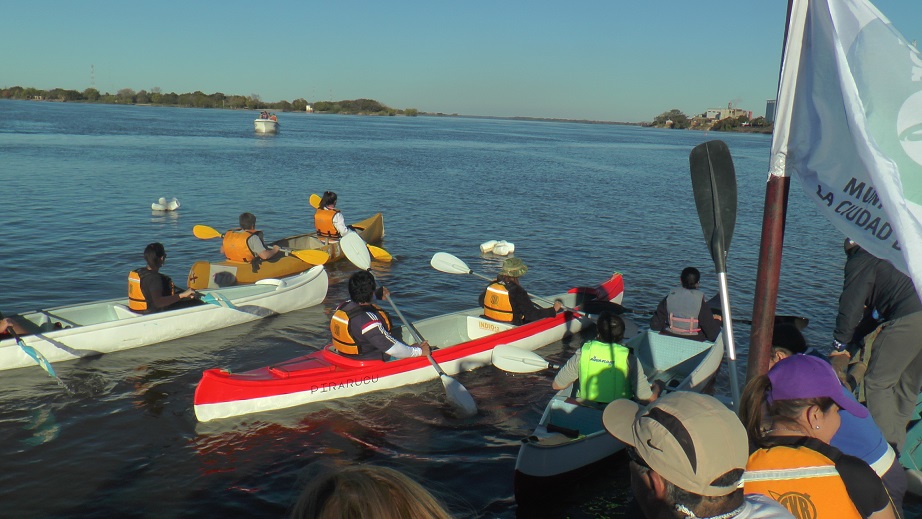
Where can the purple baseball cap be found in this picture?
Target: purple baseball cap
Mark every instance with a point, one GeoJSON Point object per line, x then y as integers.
{"type": "Point", "coordinates": [805, 376]}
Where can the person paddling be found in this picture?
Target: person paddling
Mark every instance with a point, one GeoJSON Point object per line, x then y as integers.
{"type": "Point", "coordinates": [605, 369]}
{"type": "Point", "coordinates": [246, 243]}
{"type": "Point", "coordinates": [684, 312]}
{"type": "Point", "coordinates": [362, 330]}
{"type": "Point", "coordinates": [506, 301]}
{"type": "Point", "coordinates": [150, 291]}
{"type": "Point", "coordinates": [329, 221]}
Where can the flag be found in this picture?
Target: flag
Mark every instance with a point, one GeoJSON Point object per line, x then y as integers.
{"type": "Point", "coordinates": [849, 125]}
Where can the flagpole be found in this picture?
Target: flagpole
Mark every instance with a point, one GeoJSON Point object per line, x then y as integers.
{"type": "Point", "coordinates": [769, 269]}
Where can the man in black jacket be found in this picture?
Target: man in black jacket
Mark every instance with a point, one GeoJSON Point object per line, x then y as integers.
{"type": "Point", "coordinates": [894, 375]}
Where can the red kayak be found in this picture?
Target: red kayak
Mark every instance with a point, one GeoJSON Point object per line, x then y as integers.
{"type": "Point", "coordinates": [465, 341]}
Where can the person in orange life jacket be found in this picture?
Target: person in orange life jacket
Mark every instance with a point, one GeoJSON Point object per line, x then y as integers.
{"type": "Point", "coordinates": [150, 291]}
{"type": "Point", "coordinates": [506, 301]}
{"type": "Point", "coordinates": [859, 437]}
{"type": "Point", "coordinates": [362, 330]}
{"type": "Point", "coordinates": [328, 220]}
{"type": "Point", "coordinates": [621, 379]}
{"type": "Point", "coordinates": [246, 243]}
{"type": "Point", "coordinates": [687, 456]}
{"type": "Point", "coordinates": [684, 312]}
{"type": "Point", "coordinates": [791, 415]}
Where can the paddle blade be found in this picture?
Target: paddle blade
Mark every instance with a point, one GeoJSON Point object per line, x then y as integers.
{"type": "Point", "coordinates": [315, 201]}
{"type": "Point", "coordinates": [203, 232]}
{"type": "Point", "coordinates": [714, 184]}
{"type": "Point", "coordinates": [353, 246]}
{"type": "Point", "coordinates": [445, 262]}
{"type": "Point", "coordinates": [516, 360]}
{"type": "Point", "coordinates": [314, 257]}
{"type": "Point", "coordinates": [379, 254]}
{"type": "Point", "coordinates": [38, 358]}
{"type": "Point", "coordinates": [218, 300]}
{"type": "Point", "coordinates": [459, 397]}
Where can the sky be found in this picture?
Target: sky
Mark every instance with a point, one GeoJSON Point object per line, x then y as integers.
{"type": "Point", "coordinates": [607, 60]}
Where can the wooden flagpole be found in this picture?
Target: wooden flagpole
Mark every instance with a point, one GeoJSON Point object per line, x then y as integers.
{"type": "Point", "coordinates": [769, 270]}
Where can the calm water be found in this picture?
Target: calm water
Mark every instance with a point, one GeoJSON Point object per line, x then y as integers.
{"type": "Point", "coordinates": [579, 201]}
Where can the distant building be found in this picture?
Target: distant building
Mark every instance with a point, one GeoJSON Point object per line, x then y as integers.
{"type": "Point", "coordinates": [716, 114]}
{"type": "Point", "coordinates": [770, 111]}
{"type": "Point", "coordinates": [309, 109]}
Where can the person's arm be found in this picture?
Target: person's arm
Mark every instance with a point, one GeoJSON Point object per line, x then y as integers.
{"type": "Point", "coordinates": [373, 331]}
{"type": "Point", "coordinates": [660, 318]}
{"type": "Point", "coordinates": [524, 306]}
{"type": "Point", "coordinates": [569, 373]}
{"type": "Point", "coordinates": [158, 300]}
{"type": "Point", "coordinates": [865, 488]}
{"type": "Point", "coordinates": [339, 222]}
{"type": "Point", "coordinates": [859, 281]}
{"type": "Point", "coordinates": [709, 326]}
{"type": "Point", "coordinates": [10, 322]}
{"type": "Point", "coordinates": [644, 392]}
{"type": "Point", "coordinates": [255, 243]}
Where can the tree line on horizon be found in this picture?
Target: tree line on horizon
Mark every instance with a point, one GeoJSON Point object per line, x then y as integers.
{"type": "Point", "coordinates": [199, 99]}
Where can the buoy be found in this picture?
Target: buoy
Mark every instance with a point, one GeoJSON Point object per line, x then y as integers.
{"type": "Point", "coordinates": [163, 205]}
{"type": "Point", "coordinates": [487, 246]}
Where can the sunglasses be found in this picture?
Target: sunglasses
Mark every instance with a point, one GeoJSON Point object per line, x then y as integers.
{"type": "Point", "coordinates": [635, 457]}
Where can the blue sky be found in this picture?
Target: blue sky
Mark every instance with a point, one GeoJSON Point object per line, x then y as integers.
{"type": "Point", "coordinates": [601, 60]}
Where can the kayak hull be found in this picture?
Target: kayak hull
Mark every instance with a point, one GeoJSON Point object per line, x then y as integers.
{"type": "Point", "coordinates": [88, 329]}
{"type": "Point", "coordinates": [465, 341]}
{"type": "Point", "coordinates": [570, 435]}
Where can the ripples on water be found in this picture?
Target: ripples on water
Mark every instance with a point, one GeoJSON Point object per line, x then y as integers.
{"type": "Point", "coordinates": [579, 201]}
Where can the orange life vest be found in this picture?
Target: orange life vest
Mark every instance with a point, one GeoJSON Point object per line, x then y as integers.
{"type": "Point", "coordinates": [323, 220]}
{"type": "Point", "coordinates": [343, 341]}
{"type": "Point", "coordinates": [137, 301]}
{"type": "Point", "coordinates": [496, 303]}
{"type": "Point", "coordinates": [803, 480]}
{"type": "Point", "coordinates": [235, 245]}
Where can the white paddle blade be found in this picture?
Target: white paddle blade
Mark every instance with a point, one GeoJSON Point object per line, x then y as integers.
{"type": "Point", "coordinates": [445, 262]}
{"type": "Point", "coordinates": [516, 360]}
{"type": "Point", "coordinates": [356, 250]}
{"type": "Point", "coordinates": [459, 397]}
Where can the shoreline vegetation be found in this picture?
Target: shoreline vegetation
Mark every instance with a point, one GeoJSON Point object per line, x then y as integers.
{"type": "Point", "coordinates": [672, 119]}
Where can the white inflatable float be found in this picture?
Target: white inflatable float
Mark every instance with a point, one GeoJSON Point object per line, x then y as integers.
{"type": "Point", "coordinates": [164, 205]}
{"type": "Point", "coordinates": [500, 248]}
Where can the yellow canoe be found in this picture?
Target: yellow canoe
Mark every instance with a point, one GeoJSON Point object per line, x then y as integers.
{"type": "Point", "coordinates": [204, 274]}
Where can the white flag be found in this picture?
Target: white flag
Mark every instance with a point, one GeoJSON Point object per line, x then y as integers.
{"type": "Point", "coordinates": [849, 124]}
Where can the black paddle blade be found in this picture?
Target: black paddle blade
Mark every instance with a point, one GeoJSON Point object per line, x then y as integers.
{"type": "Point", "coordinates": [714, 184]}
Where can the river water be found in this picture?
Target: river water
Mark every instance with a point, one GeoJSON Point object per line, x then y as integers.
{"type": "Point", "coordinates": [579, 201]}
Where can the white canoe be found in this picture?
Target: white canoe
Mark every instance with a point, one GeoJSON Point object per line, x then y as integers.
{"type": "Point", "coordinates": [89, 329]}
{"type": "Point", "coordinates": [570, 434]}
{"type": "Point", "coordinates": [266, 126]}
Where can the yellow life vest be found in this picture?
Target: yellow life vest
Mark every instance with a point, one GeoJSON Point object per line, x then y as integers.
{"type": "Point", "coordinates": [803, 480]}
{"type": "Point", "coordinates": [137, 302]}
{"type": "Point", "coordinates": [323, 220]}
{"type": "Point", "coordinates": [496, 303]}
{"type": "Point", "coordinates": [603, 372]}
{"type": "Point", "coordinates": [343, 341]}
{"type": "Point", "coordinates": [235, 245]}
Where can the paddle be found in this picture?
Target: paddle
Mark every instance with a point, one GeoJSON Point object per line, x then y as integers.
{"type": "Point", "coordinates": [218, 300]}
{"type": "Point", "coordinates": [38, 358]}
{"type": "Point", "coordinates": [445, 262]}
{"type": "Point", "coordinates": [714, 184]}
{"type": "Point", "coordinates": [355, 250]}
{"type": "Point", "coordinates": [314, 200]}
{"type": "Point", "coordinates": [312, 256]}
{"type": "Point", "coordinates": [516, 360]}
{"type": "Point", "coordinates": [799, 322]}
